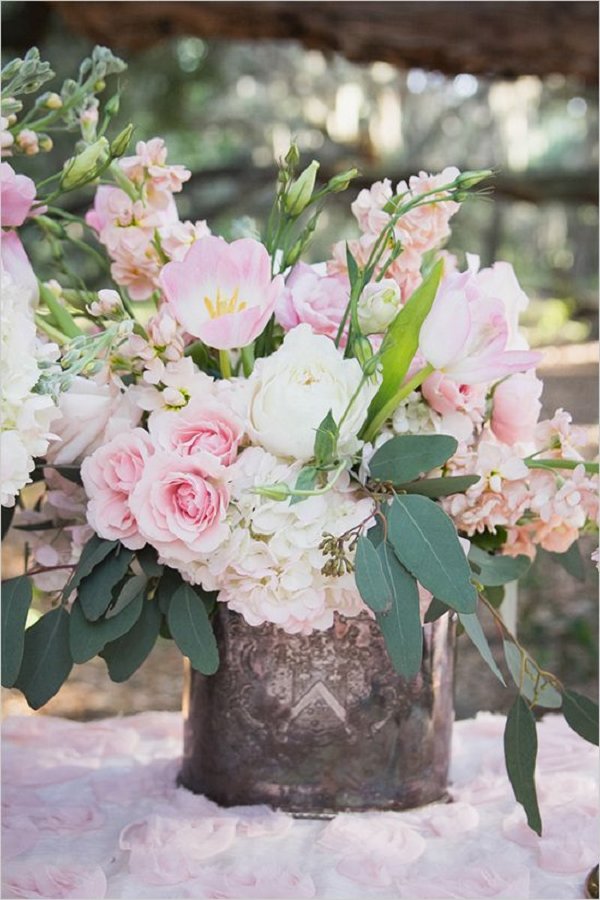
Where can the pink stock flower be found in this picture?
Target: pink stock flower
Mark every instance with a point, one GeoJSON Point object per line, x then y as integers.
{"type": "Point", "coordinates": [516, 408]}
{"type": "Point", "coordinates": [466, 333]}
{"type": "Point", "coordinates": [176, 238]}
{"type": "Point", "coordinates": [318, 300]}
{"type": "Point", "coordinates": [367, 209]}
{"type": "Point", "coordinates": [222, 293]}
{"type": "Point", "coordinates": [16, 262]}
{"type": "Point", "coordinates": [425, 227]}
{"type": "Point", "coordinates": [149, 167]}
{"type": "Point", "coordinates": [201, 425]}
{"type": "Point", "coordinates": [109, 476]}
{"type": "Point", "coordinates": [17, 193]}
{"type": "Point", "coordinates": [180, 504]}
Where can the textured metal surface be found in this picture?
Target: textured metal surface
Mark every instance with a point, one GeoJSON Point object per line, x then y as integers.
{"type": "Point", "coordinates": [319, 724]}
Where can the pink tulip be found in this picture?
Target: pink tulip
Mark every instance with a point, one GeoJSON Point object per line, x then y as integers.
{"type": "Point", "coordinates": [516, 408]}
{"type": "Point", "coordinates": [222, 293]}
{"type": "Point", "coordinates": [17, 193]}
{"type": "Point", "coordinates": [467, 331]}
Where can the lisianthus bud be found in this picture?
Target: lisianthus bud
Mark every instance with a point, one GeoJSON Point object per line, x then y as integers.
{"type": "Point", "coordinates": [299, 194]}
{"type": "Point", "coordinates": [378, 305]}
{"type": "Point", "coordinates": [111, 107]}
{"type": "Point", "coordinates": [121, 142]}
{"type": "Point", "coordinates": [292, 157]}
{"type": "Point", "coordinates": [278, 491]}
{"type": "Point", "coordinates": [53, 101]}
{"type": "Point", "coordinates": [46, 143]}
{"type": "Point", "coordinates": [363, 352]}
{"type": "Point", "coordinates": [86, 165]}
{"type": "Point", "coordinates": [340, 182]}
{"type": "Point", "coordinates": [468, 180]}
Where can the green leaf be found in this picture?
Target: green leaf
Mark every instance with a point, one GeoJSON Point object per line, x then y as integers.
{"type": "Point", "coordinates": [71, 473]}
{"type": "Point", "coordinates": [326, 441]}
{"type": "Point", "coordinates": [490, 540]}
{"type": "Point", "coordinates": [353, 272]}
{"type": "Point", "coordinates": [305, 481]}
{"type": "Point", "coordinates": [398, 350]}
{"type": "Point", "coordinates": [170, 582]}
{"type": "Point", "coordinates": [571, 561]}
{"type": "Point", "coordinates": [46, 657]}
{"type": "Point", "coordinates": [545, 694]}
{"type": "Point", "coordinates": [133, 587]}
{"type": "Point", "coordinates": [148, 560]}
{"type": "Point", "coordinates": [440, 487]}
{"type": "Point", "coordinates": [125, 655]}
{"type": "Point", "coordinates": [401, 625]}
{"type": "Point", "coordinates": [87, 639]}
{"type": "Point", "coordinates": [192, 632]}
{"type": "Point", "coordinates": [495, 570]}
{"type": "Point", "coordinates": [371, 580]}
{"type": "Point", "coordinates": [473, 628]}
{"type": "Point", "coordinates": [408, 456]}
{"type": "Point", "coordinates": [426, 543]}
{"type": "Point", "coordinates": [520, 751]}
{"type": "Point", "coordinates": [93, 553]}
{"type": "Point", "coordinates": [16, 599]}
{"type": "Point", "coordinates": [436, 610]}
{"type": "Point", "coordinates": [376, 534]}
{"type": "Point", "coordinates": [581, 715]}
{"type": "Point", "coordinates": [7, 517]}
{"type": "Point", "coordinates": [61, 316]}
{"type": "Point", "coordinates": [95, 590]}
{"type": "Point", "coordinates": [494, 595]}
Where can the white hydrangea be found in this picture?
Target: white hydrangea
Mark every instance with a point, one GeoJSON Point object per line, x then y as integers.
{"type": "Point", "coordinates": [269, 569]}
{"type": "Point", "coordinates": [25, 416]}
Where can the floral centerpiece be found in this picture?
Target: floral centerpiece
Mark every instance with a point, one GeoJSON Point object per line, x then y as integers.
{"type": "Point", "coordinates": [224, 424]}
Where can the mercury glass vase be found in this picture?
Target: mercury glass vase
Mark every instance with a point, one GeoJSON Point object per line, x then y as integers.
{"type": "Point", "coordinates": [319, 724]}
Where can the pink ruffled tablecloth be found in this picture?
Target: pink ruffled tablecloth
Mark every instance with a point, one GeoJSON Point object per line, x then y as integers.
{"type": "Point", "coordinates": [91, 811]}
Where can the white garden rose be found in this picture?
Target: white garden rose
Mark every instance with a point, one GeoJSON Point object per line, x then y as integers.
{"type": "Point", "coordinates": [291, 392]}
{"type": "Point", "coordinates": [378, 305]}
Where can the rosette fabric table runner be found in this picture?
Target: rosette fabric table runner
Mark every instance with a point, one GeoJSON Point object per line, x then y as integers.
{"type": "Point", "coordinates": [91, 811]}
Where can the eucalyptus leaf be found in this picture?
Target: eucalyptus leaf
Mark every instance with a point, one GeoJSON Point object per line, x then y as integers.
{"type": "Point", "coordinates": [16, 600]}
{"type": "Point", "coordinates": [545, 694]}
{"type": "Point", "coordinates": [191, 630]}
{"type": "Point", "coordinates": [436, 610]}
{"type": "Point", "coordinates": [92, 554]}
{"type": "Point", "coordinates": [170, 582]}
{"type": "Point", "coordinates": [132, 589]}
{"type": "Point", "coordinates": [581, 715]}
{"type": "Point", "coordinates": [571, 561]}
{"type": "Point", "coordinates": [401, 624]}
{"type": "Point", "coordinates": [440, 487]}
{"type": "Point", "coordinates": [87, 639]}
{"type": "Point", "coordinates": [520, 751]}
{"type": "Point", "coordinates": [426, 543]}
{"type": "Point", "coordinates": [148, 560]}
{"type": "Point", "coordinates": [408, 456]}
{"type": "Point", "coordinates": [95, 590]}
{"type": "Point", "coordinates": [473, 629]}
{"type": "Point", "coordinates": [371, 580]}
{"type": "Point", "coordinates": [494, 570]}
{"type": "Point", "coordinates": [47, 658]}
{"type": "Point", "coordinates": [305, 481]}
{"type": "Point", "coordinates": [126, 654]}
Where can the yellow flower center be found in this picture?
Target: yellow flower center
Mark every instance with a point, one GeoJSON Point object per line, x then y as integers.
{"type": "Point", "coordinates": [223, 306]}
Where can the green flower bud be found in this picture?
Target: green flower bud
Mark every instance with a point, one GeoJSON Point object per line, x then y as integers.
{"type": "Point", "coordinates": [299, 194]}
{"type": "Point", "coordinates": [121, 142]}
{"type": "Point", "coordinates": [99, 86]}
{"type": "Point", "coordinates": [279, 491]}
{"type": "Point", "coordinates": [111, 107]}
{"type": "Point", "coordinates": [340, 182]}
{"type": "Point", "coordinates": [51, 226]}
{"type": "Point", "coordinates": [468, 180]}
{"type": "Point", "coordinates": [53, 101]}
{"type": "Point", "coordinates": [46, 143]}
{"type": "Point", "coordinates": [361, 347]}
{"type": "Point", "coordinates": [292, 157]}
{"type": "Point", "coordinates": [86, 166]}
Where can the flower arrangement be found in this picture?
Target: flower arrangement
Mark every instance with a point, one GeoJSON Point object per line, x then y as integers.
{"type": "Point", "coordinates": [224, 423]}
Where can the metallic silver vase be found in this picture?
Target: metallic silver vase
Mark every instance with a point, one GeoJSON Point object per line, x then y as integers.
{"type": "Point", "coordinates": [319, 724]}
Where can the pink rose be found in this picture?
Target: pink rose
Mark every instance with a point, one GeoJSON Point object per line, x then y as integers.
{"type": "Point", "coordinates": [180, 504]}
{"type": "Point", "coordinates": [109, 476]}
{"type": "Point", "coordinates": [201, 425]}
{"type": "Point", "coordinates": [222, 293]}
{"type": "Point", "coordinates": [318, 300]}
{"type": "Point", "coordinates": [17, 193]}
{"type": "Point", "coordinates": [516, 408]}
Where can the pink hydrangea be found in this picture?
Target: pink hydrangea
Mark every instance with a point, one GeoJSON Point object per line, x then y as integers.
{"type": "Point", "coordinates": [222, 293]}
{"type": "Point", "coordinates": [109, 476]}
{"type": "Point", "coordinates": [317, 300]}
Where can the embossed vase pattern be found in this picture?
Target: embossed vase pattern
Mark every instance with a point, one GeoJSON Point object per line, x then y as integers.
{"type": "Point", "coordinates": [319, 724]}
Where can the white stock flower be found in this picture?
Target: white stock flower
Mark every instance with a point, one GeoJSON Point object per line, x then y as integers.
{"type": "Point", "coordinates": [292, 391]}
{"type": "Point", "coordinates": [269, 569]}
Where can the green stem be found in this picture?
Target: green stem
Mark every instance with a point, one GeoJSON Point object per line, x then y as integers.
{"type": "Point", "coordinates": [386, 411]}
{"type": "Point", "coordinates": [224, 364]}
{"type": "Point", "coordinates": [293, 492]}
{"type": "Point", "coordinates": [591, 467]}
{"type": "Point", "coordinates": [50, 330]}
{"type": "Point", "coordinates": [248, 359]}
